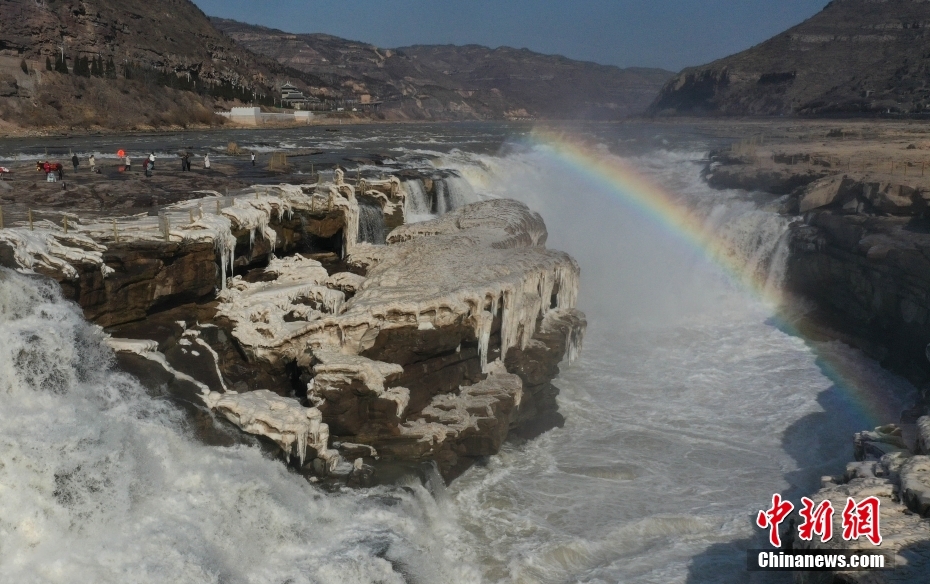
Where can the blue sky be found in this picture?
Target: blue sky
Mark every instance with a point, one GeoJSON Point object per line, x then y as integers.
{"type": "Point", "coordinates": [660, 33]}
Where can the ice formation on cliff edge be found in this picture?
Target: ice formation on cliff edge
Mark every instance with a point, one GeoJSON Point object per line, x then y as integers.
{"type": "Point", "coordinates": [488, 406]}
{"type": "Point", "coordinates": [51, 249]}
{"type": "Point", "coordinates": [292, 426]}
{"type": "Point", "coordinates": [335, 371]}
{"type": "Point", "coordinates": [481, 266]}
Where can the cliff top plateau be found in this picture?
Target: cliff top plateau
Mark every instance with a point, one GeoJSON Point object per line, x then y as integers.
{"type": "Point", "coordinates": [855, 57]}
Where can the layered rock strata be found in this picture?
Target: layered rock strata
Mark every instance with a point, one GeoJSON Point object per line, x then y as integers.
{"type": "Point", "coordinates": [431, 348]}
{"type": "Point", "coordinates": [899, 477]}
{"type": "Point", "coordinates": [859, 253]}
{"type": "Point", "coordinates": [859, 257]}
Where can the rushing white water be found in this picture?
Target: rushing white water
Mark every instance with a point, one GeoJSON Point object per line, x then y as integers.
{"type": "Point", "coordinates": [370, 223]}
{"type": "Point", "coordinates": [418, 205]}
{"type": "Point", "coordinates": [100, 483]}
{"type": "Point", "coordinates": [453, 192]}
{"type": "Point", "coordinates": [687, 410]}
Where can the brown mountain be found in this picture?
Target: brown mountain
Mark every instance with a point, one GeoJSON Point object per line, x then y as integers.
{"type": "Point", "coordinates": [169, 64]}
{"type": "Point", "coordinates": [456, 82]}
{"type": "Point", "coordinates": [853, 57]}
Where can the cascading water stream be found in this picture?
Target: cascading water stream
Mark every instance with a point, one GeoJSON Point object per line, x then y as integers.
{"type": "Point", "coordinates": [452, 192]}
{"type": "Point", "coordinates": [688, 408]}
{"type": "Point", "coordinates": [417, 202]}
{"type": "Point", "coordinates": [371, 223]}
{"type": "Point", "coordinates": [102, 483]}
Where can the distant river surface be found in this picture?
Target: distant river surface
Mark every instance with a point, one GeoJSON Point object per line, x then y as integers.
{"type": "Point", "coordinates": [690, 405]}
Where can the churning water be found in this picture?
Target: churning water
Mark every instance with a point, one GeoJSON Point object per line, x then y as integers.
{"type": "Point", "coordinates": [370, 223]}
{"type": "Point", "coordinates": [688, 408]}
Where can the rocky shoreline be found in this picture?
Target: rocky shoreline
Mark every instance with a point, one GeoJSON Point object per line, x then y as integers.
{"type": "Point", "coordinates": [859, 266]}
{"type": "Point", "coordinates": [263, 309]}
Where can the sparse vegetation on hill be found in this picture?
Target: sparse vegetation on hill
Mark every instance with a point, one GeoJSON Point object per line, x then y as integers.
{"type": "Point", "coordinates": [121, 65]}
{"type": "Point", "coordinates": [855, 57]}
{"type": "Point", "coordinates": [455, 82]}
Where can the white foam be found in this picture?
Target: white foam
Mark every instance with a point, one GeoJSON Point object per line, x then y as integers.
{"type": "Point", "coordinates": [99, 482]}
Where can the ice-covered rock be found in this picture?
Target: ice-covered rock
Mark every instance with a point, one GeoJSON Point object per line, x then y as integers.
{"type": "Point", "coordinates": [915, 484]}
{"type": "Point", "coordinates": [901, 482]}
{"type": "Point", "coordinates": [352, 392]}
{"type": "Point", "coordinates": [923, 435]}
{"type": "Point", "coordinates": [872, 445]}
{"type": "Point", "coordinates": [293, 427]}
{"type": "Point", "coordinates": [448, 340]}
{"type": "Point", "coordinates": [472, 422]}
{"type": "Point", "coordinates": [348, 282]}
{"type": "Point", "coordinates": [439, 303]}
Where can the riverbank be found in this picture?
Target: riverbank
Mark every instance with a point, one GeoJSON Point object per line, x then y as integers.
{"type": "Point", "coordinates": [858, 267]}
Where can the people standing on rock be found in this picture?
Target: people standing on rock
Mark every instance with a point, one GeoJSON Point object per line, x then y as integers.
{"type": "Point", "coordinates": [253, 159]}
{"type": "Point", "coordinates": [93, 163]}
{"type": "Point", "coordinates": [186, 161]}
{"type": "Point", "coordinates": [128, 163]}
{"type": "Point", "coordinates": [206, 161]}
{"type": "Point", "coordinates": [74, 161]}
{"type": "Point", "coordinates": [152, 161]}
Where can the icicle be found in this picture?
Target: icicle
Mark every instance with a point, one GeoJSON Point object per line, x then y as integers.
{"type": "Point", "coordinates": [223, 270]}
{"type": "Point", "coordinates": [485, 323]}
{"type": "Point", "coordinates": [507, 324]}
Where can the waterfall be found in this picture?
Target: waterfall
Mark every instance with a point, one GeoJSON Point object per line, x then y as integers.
{"type": "Point", "coordinates": [418, 206]}
{"type": "Point", "coordinates": [453, 192]}
{"type": "Point", "coordinates": [441, 206]}
{"type": "Point", "coordinates": [110, 482]}
{"type": "Point", "coordinates": [370, 223]}
{"type": "Point", "coordinates": [418, 202]}
{"type": "Point", "coordinates": [459, 192]}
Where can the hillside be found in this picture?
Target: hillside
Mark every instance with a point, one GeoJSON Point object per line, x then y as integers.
{"type": "Point", "coordinates": [456, 82]}
{"type": "Point", "coordinates": [170, 66]}
{"type": "Point", "coordinates": [853, 57]}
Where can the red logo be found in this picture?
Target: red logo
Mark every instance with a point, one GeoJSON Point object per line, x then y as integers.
{"type": "Point", "coordinates": [859, 519]}
{"type": "Point", "coordinates": [819, 520]}
{"type": "Point", "coordinates": [773, 518]}
{"type": "Point", "coordinates": [862, 519]}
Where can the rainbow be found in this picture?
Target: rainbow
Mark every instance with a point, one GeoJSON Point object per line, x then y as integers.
{"type": "Point", "coordinates": [857, 389]}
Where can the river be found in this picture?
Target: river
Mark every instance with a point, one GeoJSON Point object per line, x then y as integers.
{"type": "Point", "coordinates": [692, 403]}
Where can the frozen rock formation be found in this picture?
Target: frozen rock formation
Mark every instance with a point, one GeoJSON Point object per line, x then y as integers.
{"type": "Point", "coordinates": [432, 347]}
{"type": "Point", "coordinates": [293, 427]}
{"type": "Point", "coordinates": [403, 365]}
{"type": "Point", "coordinates": [118, 269]}
{"type": "Point", "coordinates": [901, 481]}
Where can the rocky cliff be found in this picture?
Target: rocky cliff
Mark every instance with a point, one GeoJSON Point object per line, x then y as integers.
{"type": "Point", "coordinates": [859, 262]}
{"type": "Point", "coordinates": [853, 57]}
{"type": "Point", "coordinates": [432, 348]}
{"type": "Point", "coordinates": [153, 63]}
{"type": "Point", "coordinates": [859, 252]}
{"type": "Point", "coordinates": [895, 469]}
{"type": "Point", "coordinates": [457, 82]}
